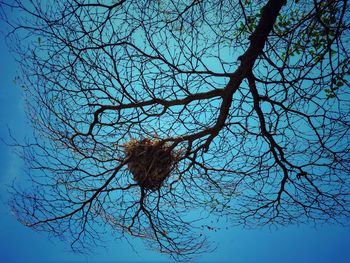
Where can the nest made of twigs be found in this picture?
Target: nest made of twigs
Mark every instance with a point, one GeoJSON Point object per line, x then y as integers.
{"type": "Point", "coordinates": [150, 162]}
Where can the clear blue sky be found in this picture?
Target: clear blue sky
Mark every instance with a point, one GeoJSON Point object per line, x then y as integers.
{"type": "Point", "coordinates": [302, 244]}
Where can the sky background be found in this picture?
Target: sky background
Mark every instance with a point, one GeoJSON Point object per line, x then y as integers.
{"type": "Point", "coordinates": [292, 244]}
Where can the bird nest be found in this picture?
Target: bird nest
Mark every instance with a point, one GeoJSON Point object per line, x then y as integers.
{"type": "Point", "coordinates": [150, 162]}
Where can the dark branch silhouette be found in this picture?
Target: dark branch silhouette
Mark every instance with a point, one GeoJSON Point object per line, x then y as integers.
{"type": "Point", "coordinates": [144, 111]}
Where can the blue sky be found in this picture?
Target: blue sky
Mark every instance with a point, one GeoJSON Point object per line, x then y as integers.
{"type": "Point", "coordinates": [20, 244]}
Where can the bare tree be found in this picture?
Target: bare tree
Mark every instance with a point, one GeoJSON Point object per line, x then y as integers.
{"type": "Point", "coordinates": [145, 110]}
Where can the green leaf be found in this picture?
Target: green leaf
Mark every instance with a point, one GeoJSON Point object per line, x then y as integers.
{"type": "Point", "coordinates": [340, 83]}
